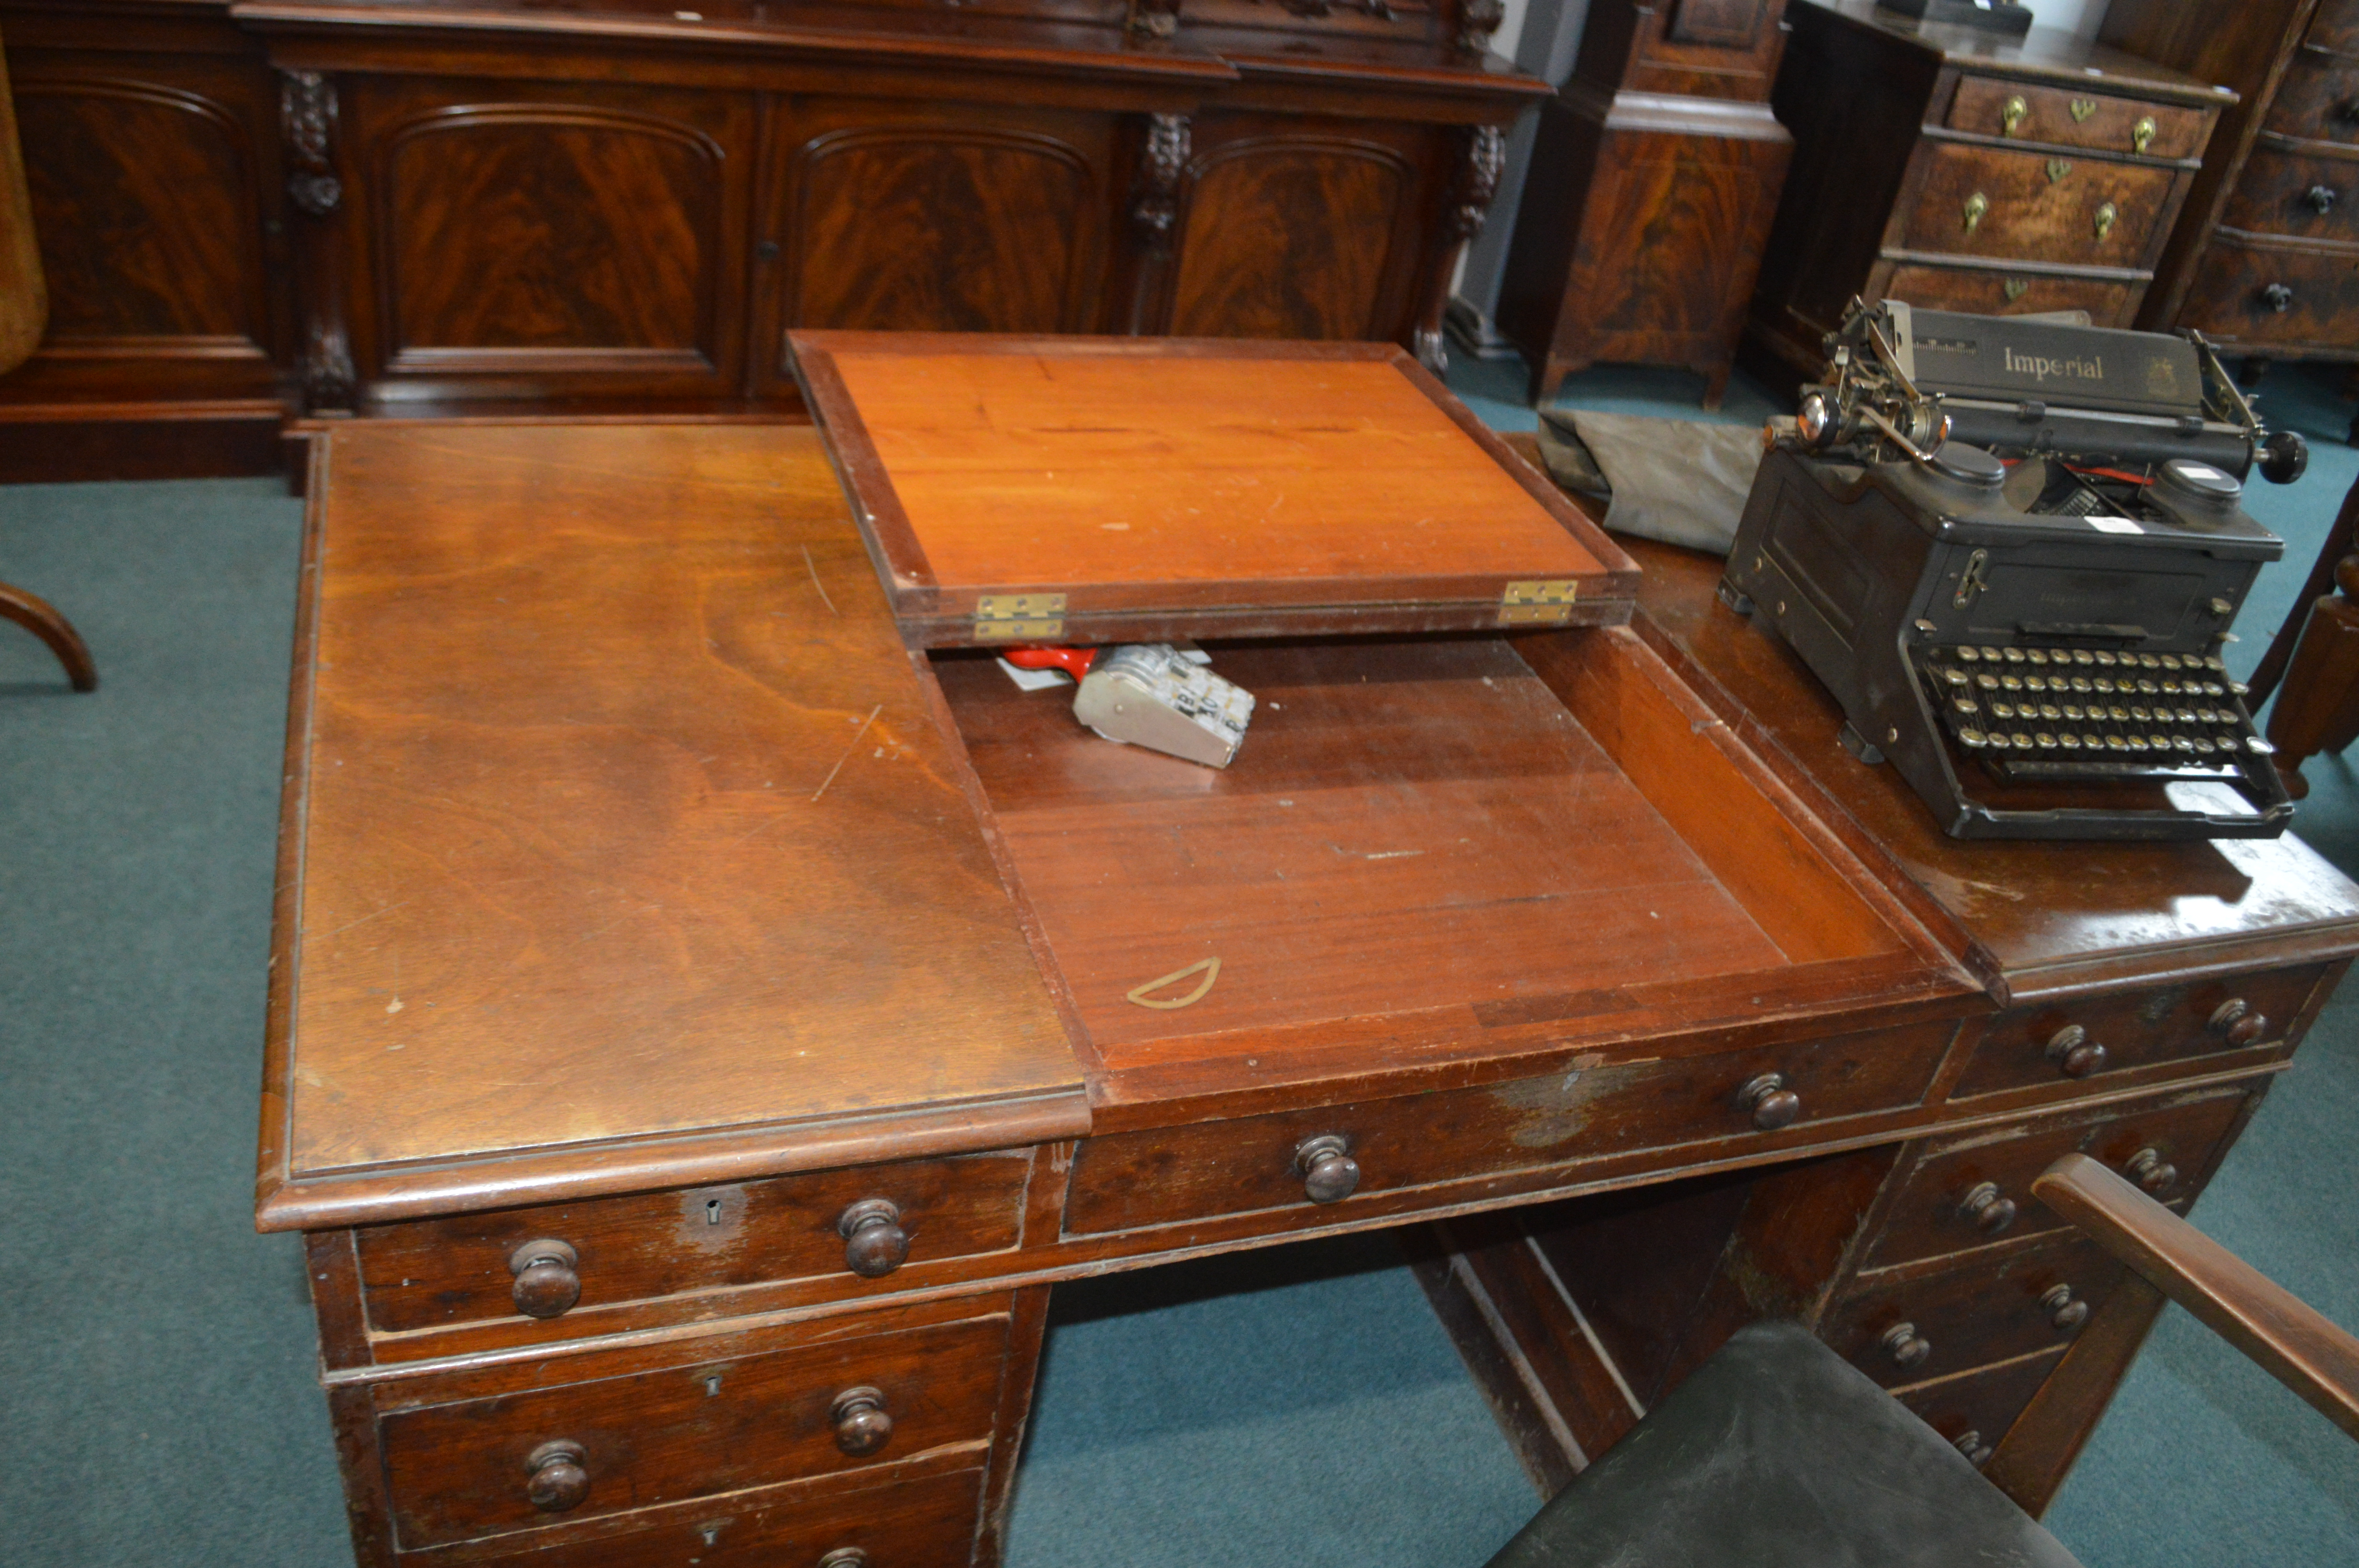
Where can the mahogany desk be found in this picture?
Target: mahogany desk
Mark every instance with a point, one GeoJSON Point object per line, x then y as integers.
{"type": "Point", "coordinates": [701, 1028]}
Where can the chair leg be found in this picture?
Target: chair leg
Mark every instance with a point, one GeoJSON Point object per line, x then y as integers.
{"type": "Point", "coordinates": [38, 616]}
{"type": "Point", "coordinates": [2317, 709]}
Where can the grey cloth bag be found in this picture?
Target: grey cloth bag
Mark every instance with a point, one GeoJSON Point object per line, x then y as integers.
{"type": "Point", "coordinates": [1680, 480]}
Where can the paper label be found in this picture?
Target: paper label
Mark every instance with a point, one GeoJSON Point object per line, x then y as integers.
{"type": "Point", "coordinates": [2112, 524]}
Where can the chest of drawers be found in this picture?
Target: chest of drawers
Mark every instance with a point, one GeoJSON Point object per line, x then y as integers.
{"type": "Point", "coordinates": [1961, 172]}
{"type": "Point", "coordinates": [2265, 255]}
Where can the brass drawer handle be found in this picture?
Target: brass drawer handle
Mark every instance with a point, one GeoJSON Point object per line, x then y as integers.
{"type": "Point", "coordinates": [2237, 1021]}
{"type": "Point", "coordinates": [2011, 116]}
{"type": "Point", "coordinates": [875, 1240]}
{"type": "Point", "coordinates": [557, 1481]}
{"type": "Point", "coordinates": [2142, 135]}
{"type": "Point", "coordinates": [863, 1425]}
{"type": "Point", "coordinates": [2066, 1312]}
{"type": "Point", "coordinates": [1770, 1102]}
{"type": "Point", "coordinates": [1905, 1345]}
{"type": "Point", "coordinates": [1329, 1173]}
{"type": "Point", "coordinates": [2075, 1054]}
{"type": "Point", "coordinates": [2149, 1170]}
{"type": "Point", "coordinates": [1990, 1213]}
{"type": "Point", "coordinates": [546, 1284]}
{"type": "Point", "coordinates": [2106, 215]}
{"type": "Point", "coordinates": [1977, 205]}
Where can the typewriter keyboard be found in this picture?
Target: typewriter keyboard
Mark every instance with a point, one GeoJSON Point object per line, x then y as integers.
{"type": "Point", "coordinates": [2085, 714]}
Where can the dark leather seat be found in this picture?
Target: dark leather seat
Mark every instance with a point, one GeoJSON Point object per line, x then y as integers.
{"type": "Point", "coordinates": [1777, 1453]}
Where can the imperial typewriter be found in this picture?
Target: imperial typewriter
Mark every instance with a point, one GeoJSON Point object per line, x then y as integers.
{"type": "Point", "coordinates": [2012, 549]}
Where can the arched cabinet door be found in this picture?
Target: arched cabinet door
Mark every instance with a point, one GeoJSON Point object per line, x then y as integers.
{"type": "Point", "coordinates": [947, 218]}
{"type": "Point", "coordinates": [146, 180]}
{"type": "Point", "coordinates": [544, 239]}
{"type": "Point", "coordinates": [1296, 227]}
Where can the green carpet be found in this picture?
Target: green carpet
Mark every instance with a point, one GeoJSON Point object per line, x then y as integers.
{"type": "Point", "coordinates": [1299, 1406]}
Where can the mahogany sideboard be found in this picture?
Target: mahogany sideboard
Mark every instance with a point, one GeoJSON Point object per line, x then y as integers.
{"type": "Point", "coordinates": [703, 1028]}
{"type": "Point", "coordinates": [252, 210]}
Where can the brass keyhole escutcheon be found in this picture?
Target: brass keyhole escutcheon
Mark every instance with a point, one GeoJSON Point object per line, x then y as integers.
{"type": "Point", "coordinates": [2142, 135]}
{"type": "Point", "coordinates": [1976, 207]}
{"type": "Point", "coordinates": [2107, 217]}
{"type": "Point", "coordinates": [2012, 115]}
{"type": "Point", "coordinates": [2082, 109]}
{"type": "Point", "coordinates": [2014, 289]}
{"type": "Point", "coordinates": [2058, 169]}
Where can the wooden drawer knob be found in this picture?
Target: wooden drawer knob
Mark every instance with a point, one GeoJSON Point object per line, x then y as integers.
{"type": "Point", "coordinates": [557, 1481]}
{"type": "Point", "coordinates": [1970, 1443]}
{"type": "Point", "coordinates": [2149, 1170]}
{"type": "Point", "coordinates": [1905, 1345]}
{"type": "Point", "coordinates": [1770, 1102]}
{"type": "Point", "coordinates": [1989, 1211]}
{"type": "Point", "coordinates": [875, 1243]}
{"type": "Point", "coordinates": [1330, 1174]}
{"type": "Point", "coordinates": [845, 1557]}
{"type": "Point", "coordinates": [2075, 1054]}
{"type": "Point", "coordinates": [546, 1284]}
{"type": "Point", "coordinates": [2066, 1312]}
{"type": "Point", "coordinates": [862, 1423]}
{"type": "Point", "coordinates": [2235, 1021]}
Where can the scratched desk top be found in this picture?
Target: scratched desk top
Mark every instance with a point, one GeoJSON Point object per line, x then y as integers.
{"type": "Point", "coordinates": [620, 846]}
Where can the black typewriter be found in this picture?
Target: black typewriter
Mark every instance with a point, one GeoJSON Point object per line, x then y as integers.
{"type": "Point", "coordinates": [2013, 548]}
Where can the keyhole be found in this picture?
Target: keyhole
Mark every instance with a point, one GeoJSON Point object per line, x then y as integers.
{"type": "Point", "coordinates": [712, 1211]}
{"type": "Point", "coordinates": [712, 1385]}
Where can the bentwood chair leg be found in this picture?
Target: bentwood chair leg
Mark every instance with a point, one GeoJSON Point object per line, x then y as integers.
{"type": "Point", "coordinates": [40, 617]}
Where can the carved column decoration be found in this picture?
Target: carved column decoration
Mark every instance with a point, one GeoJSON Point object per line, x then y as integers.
{"type": "Point", "coordinates": [1477, 20]}
{"type": "Point", "coordinates": [307, 107]}
{"type": "Point", "coordinates": [1154, 210]}
{"type": "Point", "coordinates": [1470, 203]}
{"type": "Point", "coordinates": [306, 112]}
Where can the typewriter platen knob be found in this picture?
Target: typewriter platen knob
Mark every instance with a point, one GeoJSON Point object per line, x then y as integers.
{"type": "Point", "coordinates": [2284, 457]}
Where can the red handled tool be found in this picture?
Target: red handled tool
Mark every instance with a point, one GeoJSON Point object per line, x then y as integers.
{"type": "Point", "coordinates": [1074, 662]}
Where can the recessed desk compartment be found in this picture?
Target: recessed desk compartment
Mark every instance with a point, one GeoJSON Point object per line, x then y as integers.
{"type": "Point", "coordinates": [1440, 854]}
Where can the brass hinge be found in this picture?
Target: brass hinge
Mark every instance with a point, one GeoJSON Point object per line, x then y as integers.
{"type": "Point", "coordinates": [1018, 617]}
{"type": "Point", "coordinates": [1543, 602]}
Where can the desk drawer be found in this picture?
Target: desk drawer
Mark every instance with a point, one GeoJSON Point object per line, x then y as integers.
{"type": "Point", "coordinates": [1974, 1411]}
{"type": "Point", "coordinates": [1992, 106]}
{"type": "Point", "coordinates": [922, 1523]}
{"type": "Point", "coordinates": [2036, 207]}
{"type": "Point", "coordinates": [464, 1457]}
{"type": "Point", "coordinates": [1992, 1306]}
{"type": "Point", "coordinates": [2258, 296]}
{"type": "Point", "coordinates": [468, 1268]}
{"type": "Point", "coordinates": [2166, 1147]}
{"type": "Point", "coordinates": [1126, 1181]}
{"type": "Point", "coordinates": [2051, 1042]}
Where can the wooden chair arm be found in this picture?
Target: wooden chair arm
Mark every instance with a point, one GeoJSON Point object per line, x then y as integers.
{"type": "Point", "coordinates": [2294, 1343]}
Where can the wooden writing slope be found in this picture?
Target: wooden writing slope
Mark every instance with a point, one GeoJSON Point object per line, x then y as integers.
{"type": "Point", "coordinates": [1104, 489]}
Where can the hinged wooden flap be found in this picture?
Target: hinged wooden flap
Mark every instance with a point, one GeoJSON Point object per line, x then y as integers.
{"type": "Point", "coordinates": [1181, 487]}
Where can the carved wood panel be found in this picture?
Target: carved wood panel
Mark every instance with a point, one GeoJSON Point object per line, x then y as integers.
{"type": "Point", "coordinates": [545, 240]}
{"type": "Point", "coordinates": [146, 206]}
{"type": "Point", "coordinates": [1296, 230]}
{"type": "Point", "coordinates": [1730, 24]}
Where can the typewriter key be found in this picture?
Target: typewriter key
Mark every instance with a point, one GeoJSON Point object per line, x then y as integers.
{"type": "Point", "coordinates": [2184, 715]}
{"type": "Point", "coordinates": [2257, 747]}
{"type": "Point", "coordinates": [2118, 715]}
{"type": "Point", "coordinates": [2182, 743]}
{"type": "Point", "coordinates": [2082, 656]}
{"type": "Point", "coordinates": [2001, 710]}
{"type": "Point", "coordinates": [2135, 743]}
{"type": "Point", "coordinates": [2159, 742]}
{"type": "Point", "coordinates": [2148, 661]}
{"type": "Point", "coordinates": [2044, 740]}
{"type": "Point", "coordinates": [2072, 711]}
{"type": "Point", "coordinates": [2099, 743]}
{"type": "Point", "coordinates": [2104, 658]}
{"type": "Point", "coordinates": [2213, 663]}
{"type": "Point", "coordinates": [2069, 741]}
{"type": "Point", "coordinates": [2169, 661]}
{"type": "Point", "coordinates": [2239, 687]}
{"type": "Point", "coordinates": [1956, 677]}
{"type": "Point", "coordinates": [1971, 739]}
{"type": "Point", "coordinates": [2102, 684]}
{"type": "Point", "coordinates": [2021, 740]}
{"type": "Point", "coordinates": [2012, 655]}
{"type": "Point", "coordinates": [2049, 711]}
{"type": "Point", "coordinates": [1987, 682]}
{"type": "Point", "coordinates": [2037, 655]}
{"type": "Point", "coordinates": [2140, 714]}
{"type": "Point", "coordinates": [1990, 655]}
{"type": "Point", "coordinates": [2202, 748]}
{"type": "Point", "coordinates": [2081, 683]}
{"type": "Point", "coordinates": [2033, 683]}
{"type": "Point", "coordinates": [1965, 705]}
{"type": "Point", "coordinates": [2012, 683]}
{"type": "Point", "coordinates": [1966, 655]}
{"type": "Point", "coordinates": [2148, 687]}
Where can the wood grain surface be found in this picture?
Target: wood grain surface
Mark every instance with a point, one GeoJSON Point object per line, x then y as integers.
{"type": "Point", "coordinates": [1146, 475]}
{"type": "Point", "coordinates": [2031, 917]}
{"type": "Point", "coordinates": [618, 812]}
